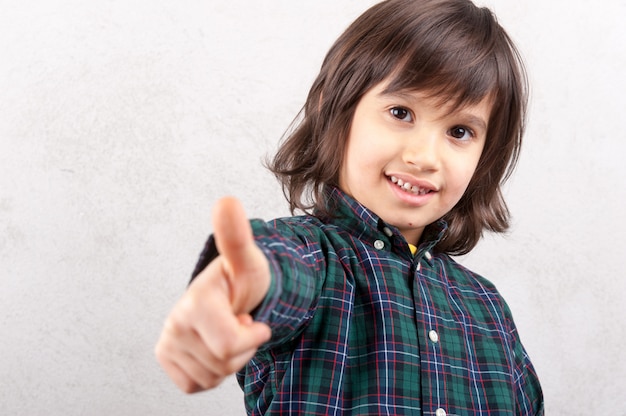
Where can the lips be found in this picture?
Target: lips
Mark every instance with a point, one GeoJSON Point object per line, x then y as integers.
{"type": "Point", "coordinates": [409, 187]}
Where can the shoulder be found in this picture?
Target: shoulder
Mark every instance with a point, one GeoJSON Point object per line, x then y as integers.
{"type": "Point", "coordinates": [303, 228]}
{"type": "Point", "coordinates": [471, 287]}
{"type": "Point", "coordinates": [462, 275]}
{"type": "Point", "coordinates": [301, 224]}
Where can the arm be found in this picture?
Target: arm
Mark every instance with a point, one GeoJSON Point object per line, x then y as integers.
{"type": "Point", "coordinates": [529, 392]}
{"type": "Point", "coordinates": [209, 333]}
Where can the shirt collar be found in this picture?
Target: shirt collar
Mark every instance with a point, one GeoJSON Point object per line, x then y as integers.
{"type": "Point", "coordinates": [365, 225]}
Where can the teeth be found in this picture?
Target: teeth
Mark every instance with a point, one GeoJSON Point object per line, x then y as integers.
{"type": "Point", "coordinates": [408, 187]}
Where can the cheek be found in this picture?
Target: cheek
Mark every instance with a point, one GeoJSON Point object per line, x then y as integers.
{"type": "Point", "coordinates": [467, 170]}
{"type": "Point", "coordinates": [358, 157]}
{"type": "Point", "coordinates": [351, 165]}
{"type": "Point", "coordinates": [461, 179]}
{"type": "Point", "coordinates": [343, 173]}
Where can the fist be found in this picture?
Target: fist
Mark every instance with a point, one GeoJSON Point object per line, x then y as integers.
{"type": "Point", "coordinates": [209, 334]}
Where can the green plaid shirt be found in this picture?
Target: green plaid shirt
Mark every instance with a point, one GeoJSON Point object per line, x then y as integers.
{"type": "Point", "coordinates": [363, 327]}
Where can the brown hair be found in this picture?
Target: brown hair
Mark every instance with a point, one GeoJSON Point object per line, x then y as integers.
{"type": "Point", "coordinates": [448, 48]}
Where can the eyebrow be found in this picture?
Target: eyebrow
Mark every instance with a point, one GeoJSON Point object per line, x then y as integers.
{"type": "Point", "coordinates": [474, 121]}
{"type": "Point", "coordinates": [384, 94]}
{"type": "Point", "coordinates": [469, 118]}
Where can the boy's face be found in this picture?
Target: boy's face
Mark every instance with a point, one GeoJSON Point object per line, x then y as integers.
{"type": "Point", "coordinates": [410, 161]}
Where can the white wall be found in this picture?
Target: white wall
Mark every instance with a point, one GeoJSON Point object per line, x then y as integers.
{"type": "Point", "coordinates": [121, 122]}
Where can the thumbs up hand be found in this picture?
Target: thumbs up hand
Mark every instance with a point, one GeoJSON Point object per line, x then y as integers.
{"type": "Point", "coordinates": [210, 334]}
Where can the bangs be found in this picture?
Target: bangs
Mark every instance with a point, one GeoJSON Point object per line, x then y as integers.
{"type": "Point", "coordinates": [455, 87]}
{"type": "Point", "coordinates": [450, 50]}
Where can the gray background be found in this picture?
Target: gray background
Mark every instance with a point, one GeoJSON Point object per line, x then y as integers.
{"type": "Point", "coordinates": [121, 123]}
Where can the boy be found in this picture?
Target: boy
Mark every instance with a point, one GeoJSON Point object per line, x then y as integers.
{"type": "Point", "coordinates": [357, 307]}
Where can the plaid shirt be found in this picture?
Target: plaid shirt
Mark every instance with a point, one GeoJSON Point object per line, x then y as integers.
{"type": "Point", "coordinates": [361, 326]}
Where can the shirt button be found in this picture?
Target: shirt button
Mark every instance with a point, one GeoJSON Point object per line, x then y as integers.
{"type": "Point", "coordinates": [440, 412]}
{"type": "Point", "coordinates": [379, 244]}
{"type": "Point", "coordinates": [428, 257]}
{"type": "Point", "coordinates": [434, 337]}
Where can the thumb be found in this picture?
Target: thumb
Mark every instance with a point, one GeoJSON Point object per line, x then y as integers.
{"type": "Point", "coordinates": [233, 234]}
{"type": "Point", "coordinates": [245, 266]}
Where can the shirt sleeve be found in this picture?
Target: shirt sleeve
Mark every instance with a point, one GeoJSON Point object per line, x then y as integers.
{"type": "Point", "coordinates": [529, 392]}
{"type": "Point", "coordinates": [296, 256]}
{"type": "Point", "coordinates": [297, 259]}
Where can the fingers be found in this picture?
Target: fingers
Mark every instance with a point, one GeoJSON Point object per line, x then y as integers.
{"type": "Point", "coordinates": [203, 341]}
{"type": "Point", "coordinates": [193, 366]}
{"type": "Point", "coordinates": [180, 378]}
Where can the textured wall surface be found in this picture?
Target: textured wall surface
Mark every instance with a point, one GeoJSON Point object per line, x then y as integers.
{"type": "Point", "coordinates": [121, 123]}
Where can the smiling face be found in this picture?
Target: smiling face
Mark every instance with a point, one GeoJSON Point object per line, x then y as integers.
{"type": "Point", "coordinates": [410, 160]}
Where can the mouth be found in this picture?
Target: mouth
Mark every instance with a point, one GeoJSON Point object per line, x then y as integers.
{"type": "Point", "coordinates": [409, 187]}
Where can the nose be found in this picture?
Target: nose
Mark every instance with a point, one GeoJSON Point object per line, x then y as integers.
{"type": "Point", "coordinates": [422, 151]}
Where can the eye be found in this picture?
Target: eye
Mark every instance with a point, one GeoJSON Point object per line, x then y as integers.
{"type": "Point", "coordinates": [401, 113]}
{"type": "Point", "coordinates": [461, 133]}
